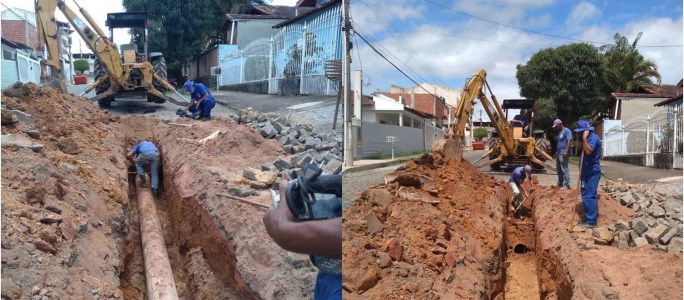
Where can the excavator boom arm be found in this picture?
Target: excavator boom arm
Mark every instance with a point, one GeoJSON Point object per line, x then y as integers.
{"type": "Point", "coordinates": [101, 46]}
{"type": "Point", "coordinates": [473, 90]}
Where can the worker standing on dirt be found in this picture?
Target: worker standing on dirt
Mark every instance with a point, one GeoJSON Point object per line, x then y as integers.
{"type": "Point", "coordinates": [201, 99]}
{"type": "Point", "coordinates": [521, 121]}
{"type": "Point", "coordinates": [320, 237]}
{"type": "Point", "coordinates": [591, 172]}
{"type": "Point", "coordinates": [561, 156]}
{"type": "Point", "coordinates": [145, 152]}
{"type": "Point", "coordinates": [516, 182]}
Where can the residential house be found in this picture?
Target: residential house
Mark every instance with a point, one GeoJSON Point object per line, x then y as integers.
{"type": "Point", "coordinates": [624, 107]}
{"type": "Point", "coordinates": [17, 65]}
{"type": "Point", "coordinates": [674, 104]}
{"type": "Point", "coordinates": [19, 26]}
{"type": "Point", "coordinates": [426, 103]}
{"type": "Point", "coordinates": [382, 109]}
{"type": "Point", "coordinates": [20, 36]}
{"type": "Point", "coordinates": [241, 30]}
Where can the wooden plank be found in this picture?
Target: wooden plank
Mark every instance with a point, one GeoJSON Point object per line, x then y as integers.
{"type": "Point", "coordinates": [246, 201]}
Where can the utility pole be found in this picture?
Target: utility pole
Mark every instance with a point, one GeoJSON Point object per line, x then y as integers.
{"type": "Point", "coordinates": [346, 79]}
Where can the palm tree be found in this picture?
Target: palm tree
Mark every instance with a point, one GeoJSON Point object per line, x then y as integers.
{"type": "Point", "coordinates": [625, 67]}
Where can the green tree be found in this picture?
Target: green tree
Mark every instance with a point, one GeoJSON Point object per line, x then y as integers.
{"type": "Point", "coordinates": [479, 133]}
{"type": "Point", "coordinates": [182, 30]}
{"type": "Point", "coordinates": [566, 82]}
{"type": "Point", "coordinates": [625, 67]}
{"type": "Point", "coordinates": [81, 65]}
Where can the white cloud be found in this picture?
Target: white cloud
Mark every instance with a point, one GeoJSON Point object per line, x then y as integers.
{"type": "Point", "coordinates": [657, 31]}
{"type": "Point", "coordinates": [401, 10]}
{"type": "Point", "coordinates": [540, 21]}
{"type": "Point", "coordinates": [584, 11]}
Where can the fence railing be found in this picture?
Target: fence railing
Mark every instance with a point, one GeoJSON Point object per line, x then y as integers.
{"type": "Point", "coordinates": [660, 133]}
{"type": "Point", "coordinates": [294, 58]}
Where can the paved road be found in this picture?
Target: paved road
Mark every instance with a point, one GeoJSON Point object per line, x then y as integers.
{"type": "Point", "coordinates": [268, 103]}
{"type": "Point", "coordinates": [355, 183]}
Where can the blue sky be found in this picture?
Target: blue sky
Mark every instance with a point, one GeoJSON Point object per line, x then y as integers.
{"type": "Point", "coordinates": [451, 60]}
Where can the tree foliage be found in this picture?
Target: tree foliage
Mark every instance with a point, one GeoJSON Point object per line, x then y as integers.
{"type": "Point", "coordinates": [81, 65]}
{"type": "Point", "coordinates": [625, 67]}
{"type": "Point", "coordinates": [182, 30]}
{"type": "Point", "coordinates": [480, 133]}
{"type": "Point", "coordinates": [567, 83]}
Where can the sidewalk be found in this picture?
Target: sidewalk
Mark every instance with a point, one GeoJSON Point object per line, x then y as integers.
{"type": "Point", "coordinates": [369, 164]}
{"type": "Point", "coordinates": [638, 174]}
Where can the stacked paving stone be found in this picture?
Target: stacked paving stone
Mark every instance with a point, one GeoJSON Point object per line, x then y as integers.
{"type": "Point", "coordinates": [658, 219]}
{"type": "Point", "coordinates": [298, 140]}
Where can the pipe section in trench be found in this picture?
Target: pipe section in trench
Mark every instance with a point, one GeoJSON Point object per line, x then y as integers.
{"type": "Point", "coordinates": [158, 273]}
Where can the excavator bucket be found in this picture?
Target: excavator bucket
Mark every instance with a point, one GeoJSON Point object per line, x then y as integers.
{"type": "Point", "coordinates": [54, 83]}
{"type": "Point", "coordinates": [449, 147]}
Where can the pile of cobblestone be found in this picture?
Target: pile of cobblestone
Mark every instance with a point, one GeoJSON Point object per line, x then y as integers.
{"type": "Point", "coordinates": [298, 140]}
{"type": "Point", "coordinates": [657, 221]}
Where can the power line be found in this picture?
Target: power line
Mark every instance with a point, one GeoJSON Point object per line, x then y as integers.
{"type": "Point", "coordinates": [382, 48]}
{"type": "Point", "coordinates": [391, 63]}
{"type": "Point", "coordinates": [382, 16]}
{"type": "Point", "coordinates": [540, 33]}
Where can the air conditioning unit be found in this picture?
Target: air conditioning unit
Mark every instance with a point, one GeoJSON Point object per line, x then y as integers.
{"type": "Point", "coordinates": [215, 71]}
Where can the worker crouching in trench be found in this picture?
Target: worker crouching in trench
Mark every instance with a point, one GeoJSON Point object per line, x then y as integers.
{"type": "Point", "coordinates": [146, 152]}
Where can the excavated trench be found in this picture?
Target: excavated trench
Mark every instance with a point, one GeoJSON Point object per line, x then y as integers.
{"type": "Point", "coordinates": [201, 257]}
{"type": "Point", "coordinates": [527, 272]}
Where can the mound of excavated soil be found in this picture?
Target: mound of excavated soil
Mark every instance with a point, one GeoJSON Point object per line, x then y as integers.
{"type": "Point", "coordinates": [62, 207]}
{"type": "Point", "coordinates": [67, 232]}
{"type": "Point", "coordinates": [606, 271]}
{"type": "Point", "coordinates": [434, 232]}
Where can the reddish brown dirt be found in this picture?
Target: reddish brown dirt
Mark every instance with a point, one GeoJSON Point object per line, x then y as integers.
{"type": "Point", "coordinates": [34, 185]}
{"type": "Point", "coordinates": [218, 247]}
{"type": "Point", "coordinates": [230, 234]}
{"type": "Point", "coordinates": [567, 271]}
{"type": "Point", "coordinates": [449, 250]}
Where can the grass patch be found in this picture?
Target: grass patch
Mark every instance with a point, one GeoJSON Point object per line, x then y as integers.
{"type": "Point", "coordinates": [382, 155]}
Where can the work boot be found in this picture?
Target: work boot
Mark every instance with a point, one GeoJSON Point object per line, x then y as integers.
{"type": "Point", "coordinates": [205, 118]}
{"type": "Point", "coordinates": [586, 225]}
{"type": "Point", "coordinates": [143, 182]}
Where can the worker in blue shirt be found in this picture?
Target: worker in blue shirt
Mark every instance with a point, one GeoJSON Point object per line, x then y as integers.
{"type": "Point", "coordinates": [562, 150]}
{"type": "Point", "coordinates": [521, 120]}
{"type": "Point", "coordinates": [516, 182]}
{"type": "Point", "coordinates": [591, 172]}
{"type": "Point", "coordinates": [145, 152]}
{"type": "Point", "coordinates": [201, 99]}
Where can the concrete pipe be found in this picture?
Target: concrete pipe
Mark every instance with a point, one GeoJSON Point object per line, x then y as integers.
{"type": "Point", "coordinates": [158, 274]}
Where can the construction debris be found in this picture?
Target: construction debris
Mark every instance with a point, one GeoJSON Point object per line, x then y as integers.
{"type": "Point", "coordinates": [298, 140]}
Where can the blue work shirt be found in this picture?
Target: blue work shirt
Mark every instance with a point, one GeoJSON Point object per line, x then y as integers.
{"type": "Point", "coordinates": [521, 118]}
{"type": "Point", "coordinates": [200, 90]}
{"type": "Point", "coordinates": [564, 136]}
{"type": "Point", "coordinates": [591, 164]}
{"type": "Point", "coordinates": [517, 176]}
{"type": "Point", "coordinates": [144, 146]}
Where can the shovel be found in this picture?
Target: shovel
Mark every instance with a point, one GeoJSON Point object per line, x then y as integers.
{"type": "Point", "coordinates": [579, 195]}
{"type": "Point", "coordinates": [521, 202]}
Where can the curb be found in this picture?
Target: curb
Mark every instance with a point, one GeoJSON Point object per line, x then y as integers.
{"type": "Point", "coordinates": [311, 107]}
{"type": "Point", "coordinates": [379, 165]}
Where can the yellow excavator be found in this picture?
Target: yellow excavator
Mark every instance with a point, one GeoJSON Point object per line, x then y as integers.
{"type": "Point", "coordinates": [512, 147]}
{"type": "Point", "coordinates": [127, 75]}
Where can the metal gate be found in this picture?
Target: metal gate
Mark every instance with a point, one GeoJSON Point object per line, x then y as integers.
{"type": "Point", "coordinates": [29, 69]}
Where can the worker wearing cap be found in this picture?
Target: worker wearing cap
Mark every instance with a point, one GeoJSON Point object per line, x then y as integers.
{"type": "Point", "coordinates": [145, 152]}
{"type": "Point", "coordinates": [516, 182]}
{"type": "Point", "coordinates": [561, 156]}
{"type": "Point", "coordinates": [200, 99]}
{"type": "Point", "coordinates": [591, 172]}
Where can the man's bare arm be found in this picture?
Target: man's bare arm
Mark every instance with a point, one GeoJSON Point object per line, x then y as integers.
{"type": "Point", "coordinates": [587, 148]}
{"type": "Point", "coordinates": [322, 238]}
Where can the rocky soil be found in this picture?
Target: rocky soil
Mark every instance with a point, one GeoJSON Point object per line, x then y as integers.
{"type": "Point", "coordinates": [69, 220]}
